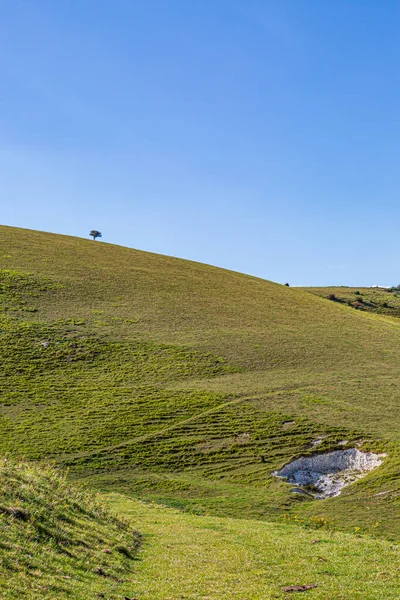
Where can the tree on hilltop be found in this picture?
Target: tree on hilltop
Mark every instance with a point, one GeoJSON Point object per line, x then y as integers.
{"type": "Point", "coordinates": [95, 234]}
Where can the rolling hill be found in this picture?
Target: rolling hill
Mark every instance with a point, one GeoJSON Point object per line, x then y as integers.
{"type": "Point", "coordinates": [188, 385]}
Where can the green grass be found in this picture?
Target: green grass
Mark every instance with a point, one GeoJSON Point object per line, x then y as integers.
{"type": "Point", "coordinates": [187, 385]}
{"type": "Point", "coordinates": [59, 541]}
{"type": "Point", "coordinates": [207, 558]}
{"type": "Point", "coordinates": [55, 538]}
{"type": "Point", "coordinates": [373, 300]}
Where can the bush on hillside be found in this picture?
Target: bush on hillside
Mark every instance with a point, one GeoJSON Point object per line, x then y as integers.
{"type": "Point", "coordinates": [357, 304]}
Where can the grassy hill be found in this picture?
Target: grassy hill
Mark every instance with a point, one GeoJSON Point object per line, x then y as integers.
{"type": "Point", "coordinates": [58, 541]}
{"type": "Point", "coordinates": [188, 385]}
{"type": "Point", "coordinates": [374, 300]}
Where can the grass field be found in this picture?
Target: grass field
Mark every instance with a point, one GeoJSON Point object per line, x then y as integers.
{"type": "Point", "coordinates": [208, 558]}
{"type": "Point", "coordinates": [186, 385]}
{"type": "Point", "coordinates": [59, 542]}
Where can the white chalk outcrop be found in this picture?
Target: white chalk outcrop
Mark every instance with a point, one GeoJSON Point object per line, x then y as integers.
{"type": "Point", "coordinates": [328, 473]}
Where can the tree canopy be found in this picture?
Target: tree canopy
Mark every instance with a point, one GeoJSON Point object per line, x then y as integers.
{"type": "Point", "coordinates": [95, 234]}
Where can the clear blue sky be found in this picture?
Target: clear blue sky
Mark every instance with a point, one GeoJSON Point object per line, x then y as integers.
{"type": "Point", "coordinates": [258, 135]}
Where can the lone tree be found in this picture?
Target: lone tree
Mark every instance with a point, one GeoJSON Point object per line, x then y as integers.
{"type": "Point", "coordinates": [95, 234]}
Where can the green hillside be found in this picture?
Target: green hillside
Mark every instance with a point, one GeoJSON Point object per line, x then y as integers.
{"type": "Point", "coordinates": [223, 558]}
{"type": "Point", "coordinates": [58, 541]}
{"type": "Point", "coordinates": [374, 300]}
{"type": "Point", "coordinates": [188, 385]}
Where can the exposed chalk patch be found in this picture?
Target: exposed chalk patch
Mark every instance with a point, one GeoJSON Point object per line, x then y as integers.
{"type": "Point", "coordinates": [330, 472]}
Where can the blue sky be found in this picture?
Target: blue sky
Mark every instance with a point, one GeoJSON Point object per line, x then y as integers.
{"type": "Point", "coordinates": [258, 135]}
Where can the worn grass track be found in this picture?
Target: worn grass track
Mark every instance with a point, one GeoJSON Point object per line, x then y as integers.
{"type": "Point", "coordinates": [208, 558]}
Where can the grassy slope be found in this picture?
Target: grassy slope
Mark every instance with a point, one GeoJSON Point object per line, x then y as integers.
{"type": "Point", "coordinates": [60, 542]}
{"type": "Point", "coordinates": [209, 558]}
{"type": "Point", "coordinates": [179, 382]}
{"type": "Point", "coordinates": [54, 537]}
{"type": "Point", "coordinates": [373, 300]}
